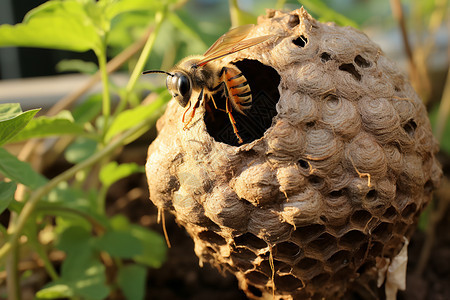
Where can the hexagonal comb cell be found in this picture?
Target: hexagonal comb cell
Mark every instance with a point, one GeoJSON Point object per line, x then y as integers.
{"type": "Point", "coordinates": [329, 178]}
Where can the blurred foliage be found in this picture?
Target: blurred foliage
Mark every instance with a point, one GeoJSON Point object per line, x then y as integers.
{"type": "Point", "coordinates": [69, 205]}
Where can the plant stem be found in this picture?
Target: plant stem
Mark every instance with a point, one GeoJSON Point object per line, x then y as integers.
{"type": "Point", "coordinates": [137, 71]}
{"type": "Point", "coordinates": [30, 205]}
{"type": "Point", "coordinates": [97, 227]}
{"type": "Point", "coordinates": [12, 283]}
{"type": "Point", "coordinates": [280, 4]}
{"type": "Point", "coordinates": [444, 110]}
{"type": "Point", "coordinates": [418, 77]}
{"type": "Point", "coordinates": [39, 248]}
{"type": "Point", "coordinates": [102, 199]}
{"type": "Point", "coordinates": [234, 12]}
{"type": "Point", "coordinates": [105, 91]}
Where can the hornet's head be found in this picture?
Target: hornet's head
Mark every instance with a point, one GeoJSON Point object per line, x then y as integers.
{"type": "Point", "coordinates": [179, 85]}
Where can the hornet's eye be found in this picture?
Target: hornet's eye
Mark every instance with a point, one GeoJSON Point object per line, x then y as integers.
{"type": "Point", "coordinates": [179, 86]}
{"type": "Point", "coordinates": [183, 85]}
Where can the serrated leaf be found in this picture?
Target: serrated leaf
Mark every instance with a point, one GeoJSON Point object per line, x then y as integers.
{"type": "Point", "coordinates": [19, 171]}
{"type": "Point", "coordinates": [13, 120]}
{"type": "Point", "coordinates": [61, 124]}
{"type": "Point", "coordinates": [55, 24]}
{"type": "Point", "coordinates": [119, 244]}
{"type": "Point", "coordinates": [131, 280]}
{"type": "Point", "coordinates": [130, 118]}
{"type": "Point", "coordinates": [7, 190]}
{"type": "Point", "coordinates": [112, 172]}
{"type": "Point", "coordinates": [80, 149]}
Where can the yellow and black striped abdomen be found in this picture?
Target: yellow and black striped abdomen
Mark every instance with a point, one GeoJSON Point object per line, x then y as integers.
{"type": "Point", "coordinates": [237, 87]}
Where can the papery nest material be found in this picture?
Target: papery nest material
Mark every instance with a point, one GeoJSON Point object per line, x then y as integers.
{"type": "Point", "coordinates": [337, 165]}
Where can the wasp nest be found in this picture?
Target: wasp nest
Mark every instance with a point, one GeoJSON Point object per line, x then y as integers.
{"type": "Point", "coordinates": [337, 164]}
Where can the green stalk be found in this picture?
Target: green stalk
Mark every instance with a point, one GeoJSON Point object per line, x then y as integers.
{"type": "Point", "coordinates": [102, 199]}
{"type": "Point", "coordinates": [234, 12]}
{"type": "Point", "coordinates": [139, 67]}
{"type": "Point", "coordinates": [106, 99]}
{"type": "Point", "coordinates": [97, 227]}
{"type": "Point", "coordinates": [280, 4]}
{"type": "Point", "coordinates": [15, 231]}
{"type": "Point", "coordinates": [12, 283]}
{"type": "Point", "coordinates": [39, 248]}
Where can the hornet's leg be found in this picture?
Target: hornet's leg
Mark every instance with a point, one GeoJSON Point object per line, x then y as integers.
{"type": "Point", "coordinates": [232, 121]}
{"type": "Point", "coordinates": [185, 111]}
{"type": "Point", "coordinates": [228, 106]}
{"type": "Point", "coordinates": [191, 116]}
{"type": "Point", "coordinates": [223, 85]}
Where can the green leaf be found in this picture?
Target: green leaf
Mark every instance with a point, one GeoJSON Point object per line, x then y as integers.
{"type": "Point", "coordinates": [86, 279]}
{"type": "Point", "coordinates": [7, 190]}
{"type": "Point", "coordinates": [92, 283]}
{"type": "Point", "coordinates": [13, 120]}
{"type": "Point", "coordinates": [444, 142]}
{"type": "Point", "coordinates": [88, 110]}
{"type": "Point", "coordinates": [9, 110]}
{"type": "Point", "coordinates": [19, 171]}
{"type": "Point", "coordinates": [186, 29]}
{"type": "Point", "coordinates": [119, 244]}
{"type": "Point", "coordinates": [55, 24]}
{"type": "Point", "coordinates": [61, 124]}
{"type": "Point", "coordinates": [130, 118]}
{"type": "Point", "coordinates": [76, 65]}
{"type": "Point", "coordinates": [326, 14]}
{"type": "Point", "coordinates": [74, 239]}
{"type": "Point", "coordinates": [239, 16]}
{"type": "Point", "coordinates": [81, 271]}
{"type": "Point", "coordinates": [131, 280]}
{"type": "Point", "coordinates": [55, 291]}
{"type": "Point", "coordinates": [424, 219]}
{"type": "Point", "coordinates": [120, 222]}
{"type": "Point", "coordinates": [80, 149]}
{"type": "Point", "coordinates": [118, 7]}
{"type": "Point", "coordinates": [112, 172]}
{"type": "Point", "coordinates": [71, 197]}
{"type": "Point", "coordinates": [154, 246]}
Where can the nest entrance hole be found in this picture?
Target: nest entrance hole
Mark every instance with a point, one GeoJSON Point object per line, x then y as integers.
{"type": "Point", "coordinates": [263, 81]}
{"type": "Point", "coordinates": [350, 68]}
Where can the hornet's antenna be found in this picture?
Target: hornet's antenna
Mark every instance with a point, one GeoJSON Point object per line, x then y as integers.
{"type": "Point", "coordinates": [157, 71]}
